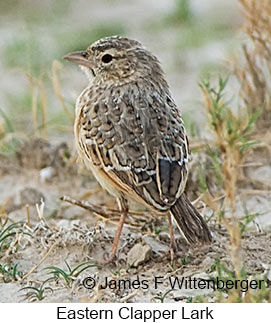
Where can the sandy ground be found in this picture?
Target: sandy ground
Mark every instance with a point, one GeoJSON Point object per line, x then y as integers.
{"type": "Point", "coordinates": [74, 235]}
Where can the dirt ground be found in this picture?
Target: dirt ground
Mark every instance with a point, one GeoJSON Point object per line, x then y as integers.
{"type": "Point", "coordinates": [66, 233]}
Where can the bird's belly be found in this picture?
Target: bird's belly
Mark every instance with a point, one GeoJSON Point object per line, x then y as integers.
{"type": "Point", "coordinates": [101, 178]}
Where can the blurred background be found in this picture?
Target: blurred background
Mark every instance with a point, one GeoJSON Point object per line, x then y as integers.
{"type": "Point", "coordinates": [192, 39]}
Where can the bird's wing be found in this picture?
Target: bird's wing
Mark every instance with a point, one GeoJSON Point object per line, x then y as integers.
{"type": "Point", "coordinates": [137, 138]}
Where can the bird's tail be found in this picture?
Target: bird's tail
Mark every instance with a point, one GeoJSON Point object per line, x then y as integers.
{"type": "Point", "coordinates": [190, 222]}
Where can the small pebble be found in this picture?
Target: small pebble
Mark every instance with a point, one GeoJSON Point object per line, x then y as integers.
{"type": "Point", "coordinates": [139, 254]}
{"type": "Point", "coordinates": [46, 174]}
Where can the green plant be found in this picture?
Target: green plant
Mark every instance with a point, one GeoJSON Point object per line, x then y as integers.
{"type": "Point", "coordinates": [159, 229]}
{"type": "Point", "coordinates": [246, 221]}
{"type": "Point", "coordinates": [162, 297]}
{"type": "Point", "coordinates": [232, 139]}
{"type": "Point", "coordinates": [37, 293]}
{"type": "Point", "coordinates": [221, 270]}
{"type": "Point", "coordinates": [184, 260]}
{"type": "Point", "coordinates": [182, 11]}
{"type": "Point", "coordinates": [72, 273]}
{"type": "Point", "coordinates": [7, 233]}
{"type": "Point", "coordinates": [10, 272]}
{"type": "Point", "coordinates": [232, 135]}
{"type": "Point", "coordinates": [223, 273]}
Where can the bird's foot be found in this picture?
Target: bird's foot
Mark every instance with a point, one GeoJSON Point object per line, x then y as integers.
{"type": "Point", "coordinates": [110, 259]}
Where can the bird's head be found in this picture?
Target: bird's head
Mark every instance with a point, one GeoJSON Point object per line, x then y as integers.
{"type": "Point", "coordinates": [118, 60]}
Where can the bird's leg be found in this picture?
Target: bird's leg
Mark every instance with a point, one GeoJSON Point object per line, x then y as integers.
{"type": "Point", "coordinates": [172, 241]}
{"type": "Point", "coordinates": [123, 205]}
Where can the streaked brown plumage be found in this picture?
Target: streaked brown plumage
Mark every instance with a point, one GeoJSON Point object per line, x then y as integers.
{"type": "Point", "coordinates": [130, 133]}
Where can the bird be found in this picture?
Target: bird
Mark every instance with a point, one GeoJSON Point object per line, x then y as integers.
{"type": "Point", "coordinates": [130, 133]}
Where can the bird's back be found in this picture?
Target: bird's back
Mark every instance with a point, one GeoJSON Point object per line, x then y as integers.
{"type": "Point", "coordinates": [135, 134]}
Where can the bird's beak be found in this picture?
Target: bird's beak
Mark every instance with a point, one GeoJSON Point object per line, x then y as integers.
{"type": "Point", "coordinates": [79, 58]}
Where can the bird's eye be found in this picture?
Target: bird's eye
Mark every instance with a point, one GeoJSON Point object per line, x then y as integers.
{"type": "Point", "coordinates": [107, 58]}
